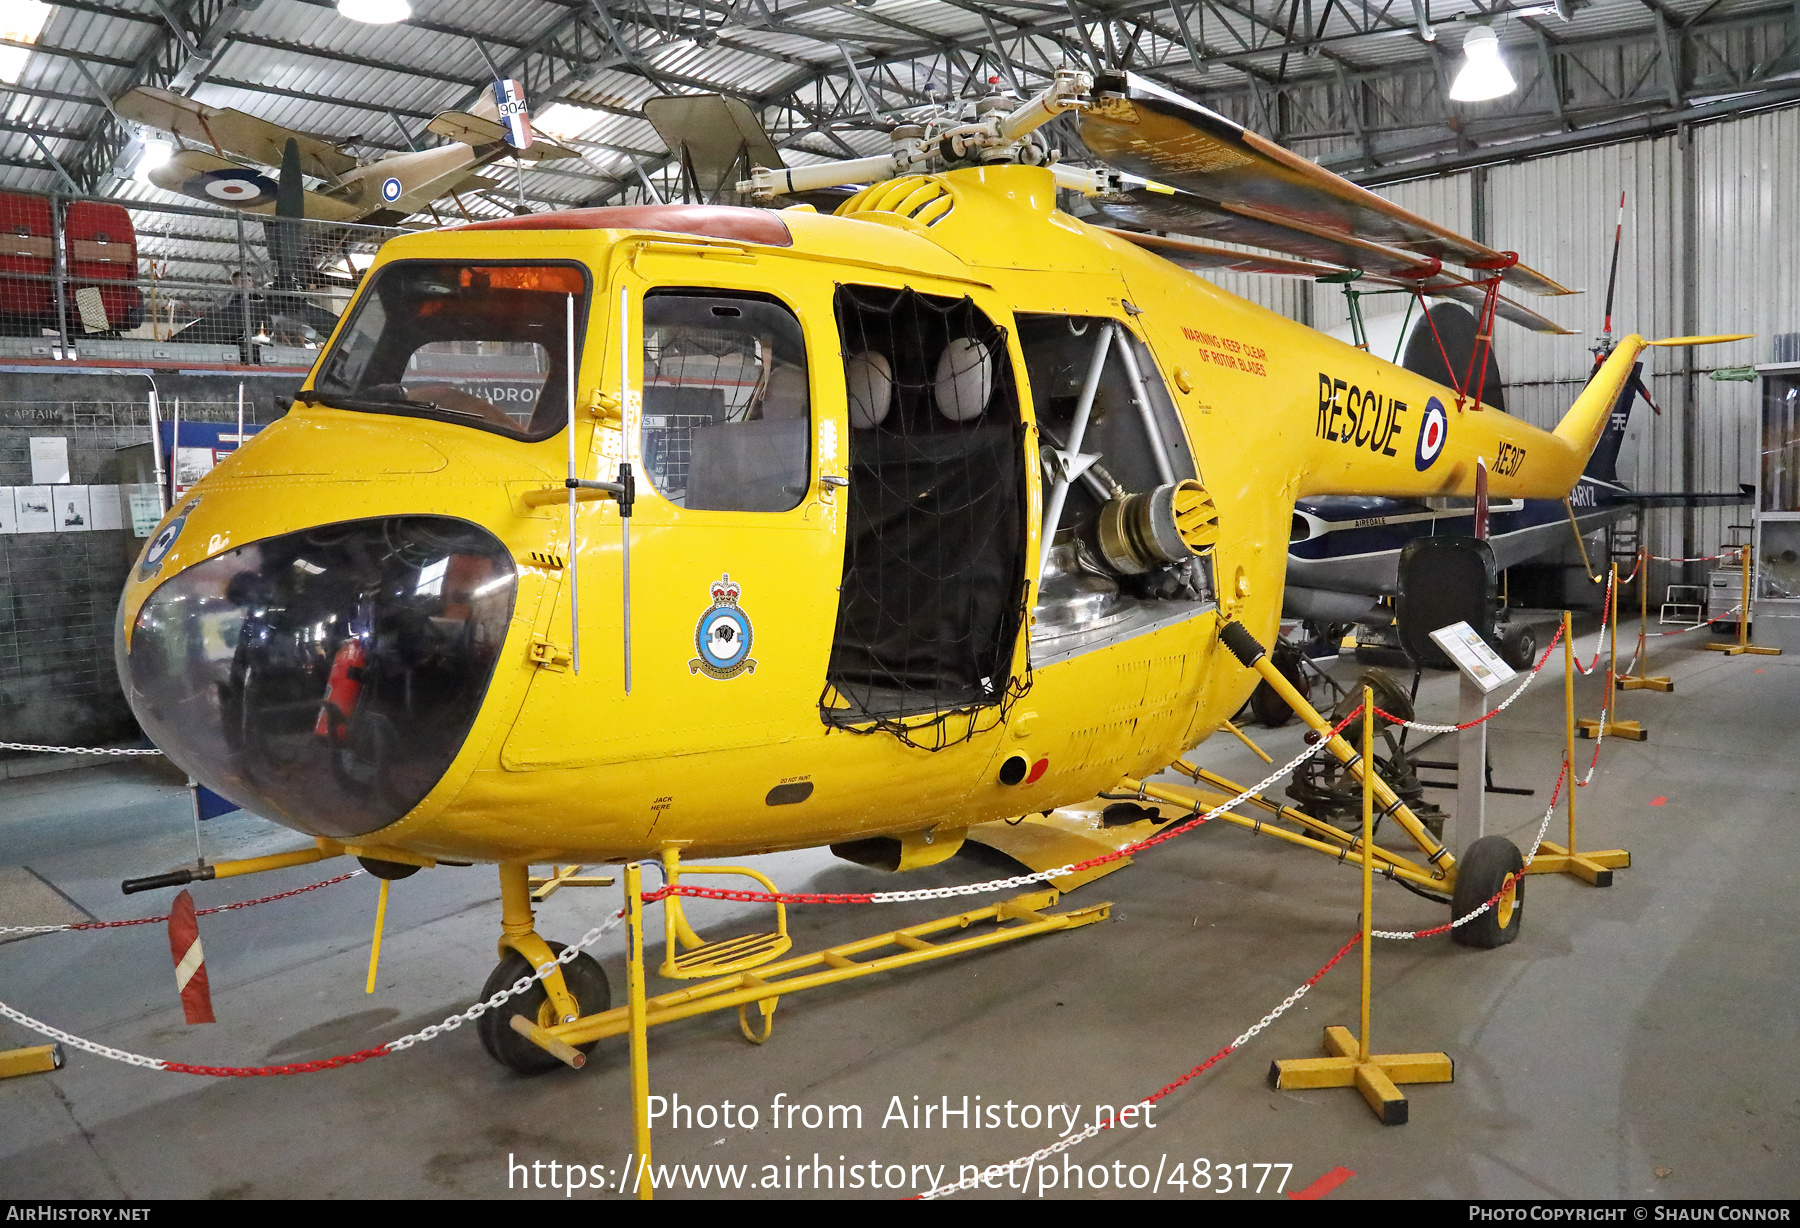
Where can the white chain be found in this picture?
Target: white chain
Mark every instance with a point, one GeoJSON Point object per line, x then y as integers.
{"type": "Point", "coordinates": [1543, 830]}
{"type": "Point", "coordinates": [1025, 880]}
{"type": "Point", "coordinates": [996, 1171]}
{"type": "Point", "coordinates": [78, 750]}
{"type": "Point", "coordinates": [394, 1046]}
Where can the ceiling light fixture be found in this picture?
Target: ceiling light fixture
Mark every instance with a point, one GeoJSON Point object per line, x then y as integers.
{"type": "Point", "coordinates": [375, 12]}
{"type": "Point", "coordinates": [154, 153]}
{"type": "Point", "coordinates": [1484, 74]}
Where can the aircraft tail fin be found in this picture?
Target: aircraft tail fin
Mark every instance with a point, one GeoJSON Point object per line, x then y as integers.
{"type": "Point", "coordinates": [1604, 462]}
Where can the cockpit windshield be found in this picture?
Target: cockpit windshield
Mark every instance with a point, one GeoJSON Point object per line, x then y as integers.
{"type": "Point", "coordinates": [477, 343]}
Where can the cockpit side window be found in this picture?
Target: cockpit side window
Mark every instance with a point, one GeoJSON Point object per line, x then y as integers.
{"type": "Point", "coordinates": [480, 344]}
{"type": "Point", "coordinates": [726, 422]}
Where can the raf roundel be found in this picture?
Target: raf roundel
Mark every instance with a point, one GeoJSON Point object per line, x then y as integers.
{"type": "Point", "coordinates": [723, 636]}
{"type": "Point", "coordinates": [390, 190]}
{"type": "Point", "coordinates": [235, 185]}
{"type": "Point", "coordinates": [1434, 428]}
{"type": "Point", "coordinates": [159, 546]}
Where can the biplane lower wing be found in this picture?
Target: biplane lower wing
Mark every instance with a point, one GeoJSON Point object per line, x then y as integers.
{"type": "Point", "coordinates": [1142, 129]}
{"type": "Point", "coordinates": [220, 181]}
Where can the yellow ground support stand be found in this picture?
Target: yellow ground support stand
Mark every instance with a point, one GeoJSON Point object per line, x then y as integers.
{"type": "Point", "coordinates": [1348, 1061]}
{"type": "Point", "coordinates": [1629, 730]}
{"type": "Point", "coordinates": [1743, 644]}
{"type": "Point", "coordinates": [1594, 868]}
{"type": "Point", "coordinates": [1020, 917]}
{"type": "Point", "coordinates": [1642, 681]}
{"type": "Point", "coordinates": [38, 1059]}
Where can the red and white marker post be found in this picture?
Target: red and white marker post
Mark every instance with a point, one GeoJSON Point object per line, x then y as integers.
{"type": "Point", "coordinates": [190, 960]}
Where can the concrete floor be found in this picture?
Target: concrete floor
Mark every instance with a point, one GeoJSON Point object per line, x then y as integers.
{"type": "Point", "coordinates": [1635, 1042]}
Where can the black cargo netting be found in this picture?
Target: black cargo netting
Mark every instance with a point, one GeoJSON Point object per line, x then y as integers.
{"type": "Point", "coordinates": [934, 585]}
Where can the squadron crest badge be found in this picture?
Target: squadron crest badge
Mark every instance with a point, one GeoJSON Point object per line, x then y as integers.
{"type": "Point", "coordinates": [723, 635]}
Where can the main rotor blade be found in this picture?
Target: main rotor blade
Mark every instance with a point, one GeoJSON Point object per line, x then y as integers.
{"type": "Point", "coordinates": [1143, 129]}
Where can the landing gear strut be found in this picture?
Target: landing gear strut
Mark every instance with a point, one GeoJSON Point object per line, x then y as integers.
{"type": "Point", "coordinates": [564, 995]}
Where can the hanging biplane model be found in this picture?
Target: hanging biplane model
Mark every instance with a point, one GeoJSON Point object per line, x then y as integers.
{"type": "Point", "coordinates": [674, 531]}
{"type": "Point", "coordinates": [224, 155]}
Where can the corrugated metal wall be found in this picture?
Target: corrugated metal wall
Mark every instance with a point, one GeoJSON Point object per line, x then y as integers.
{"type": "Point", "coordinates": [1739, 183]}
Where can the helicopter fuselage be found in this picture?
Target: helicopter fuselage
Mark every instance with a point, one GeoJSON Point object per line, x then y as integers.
{"type": "Point", "coordinates": [732, 737]}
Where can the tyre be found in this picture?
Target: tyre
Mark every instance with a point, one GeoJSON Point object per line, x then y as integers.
{"type": "Point", "coordinates": [585, 978]}
{"type": "Point", "coordinates": [1518, 646]}
{"type": "Point", "coordinates": [1479, 875]}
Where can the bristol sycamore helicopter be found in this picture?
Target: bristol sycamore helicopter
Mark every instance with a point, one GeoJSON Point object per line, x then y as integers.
{"type": "Point", "coordinates": [674, 531]}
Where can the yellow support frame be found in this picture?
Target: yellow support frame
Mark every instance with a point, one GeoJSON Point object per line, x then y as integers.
{"type": "Point", "coordinates": [1594, 868]}
{"type": "Point", "coordinates": [1348, 1061]}
{"type": "Point", "coordinates": [1020, 917]}
{"type": "Point", "coordinates": [37, 1059]}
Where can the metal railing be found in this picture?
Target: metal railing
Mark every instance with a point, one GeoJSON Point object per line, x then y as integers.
{"type": "Point", "coordinates": [77, 272]}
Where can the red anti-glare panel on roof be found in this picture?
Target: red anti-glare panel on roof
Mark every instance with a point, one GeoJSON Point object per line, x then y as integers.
{"type": "Point", "coordinates": [710, 221]}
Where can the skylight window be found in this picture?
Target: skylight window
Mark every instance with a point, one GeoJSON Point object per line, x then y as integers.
{"type": "Point", "coordinates": [21, 21]}
{"type": "Point", "coordinates": [563, 119]}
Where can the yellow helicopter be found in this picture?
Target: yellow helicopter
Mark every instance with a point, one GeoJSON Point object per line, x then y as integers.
{"type": "Point", "coordinates": [701, 531]}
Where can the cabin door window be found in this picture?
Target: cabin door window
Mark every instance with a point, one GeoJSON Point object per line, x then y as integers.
{"type": "Point", "coordinates": [934, 558]}
{"type": "Point", "coordinates": [725, 423]}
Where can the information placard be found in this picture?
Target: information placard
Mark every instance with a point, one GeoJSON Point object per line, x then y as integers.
{"type": "Point", "coordinates": [1479, 663]}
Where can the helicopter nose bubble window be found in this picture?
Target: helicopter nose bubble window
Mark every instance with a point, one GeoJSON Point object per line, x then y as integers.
{"type": "Point", "coordinates": [478, 344]}
{"type": "Point", "coordinates": [325, 678]}
{"type": "Point", "coordinates": [726, 425]}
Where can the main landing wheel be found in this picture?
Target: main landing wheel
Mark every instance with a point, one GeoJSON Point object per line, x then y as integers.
{"type": "Point", "coordinates": [585, 978]}
{"type": "Point", "coordinates": [1482, 872]}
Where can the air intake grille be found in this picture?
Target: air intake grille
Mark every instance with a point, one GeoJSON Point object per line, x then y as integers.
{"type": "Point", "coordinates": [922, 198]}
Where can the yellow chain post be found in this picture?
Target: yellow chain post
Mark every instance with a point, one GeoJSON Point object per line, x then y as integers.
{"type": "Point", "coordinates": [1630, 730]}
{"type": "Point", "coordinates": [1593, 868]}
{"type": "Point", "coordinates": [1642, 681]}
{"type": "Point", "coordinates": [1368, 864]}
{"type": "Point", "coordinates": [1743, 644]}
{"type": "Point", "coordinates": [1349, 1062]}
{"type": "Point", "coordinates": [640, 1046]}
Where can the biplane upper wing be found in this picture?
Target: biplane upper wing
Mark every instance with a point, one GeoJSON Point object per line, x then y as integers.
{"type": "Point", "coordinates": [230, 132]}
{"type": "Point", "coordinates": [1143, 129]}
{"type": "Point", "coordinates": [479, 131]}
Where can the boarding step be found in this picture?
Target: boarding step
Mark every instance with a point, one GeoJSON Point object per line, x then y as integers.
{"type": "Point", "coordinates": [727, 956]}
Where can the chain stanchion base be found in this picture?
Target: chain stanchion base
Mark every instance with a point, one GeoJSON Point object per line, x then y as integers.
{"type": "Point", "coordinates": [1732, 650]}
{"type": "Point", "coordinates": [1644, 682]}
{"type": "Point", "coordinates": [1631, 731]}
{"type": "Point", "coordinates": [1594, 868]}
{"type": "Point", "coordinates": [38, 1059]}
{"type": "Point", "coordinates": [1378, 1077]}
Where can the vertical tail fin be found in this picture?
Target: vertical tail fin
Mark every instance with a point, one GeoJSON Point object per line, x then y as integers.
{"type": "Point", "coordinates": [1604, 462]}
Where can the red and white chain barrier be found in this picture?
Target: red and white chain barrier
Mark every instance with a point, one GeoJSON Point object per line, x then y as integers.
{"type": "Point", "coordinates": [198, 912]}
{"type": "Point", "coordinates": [432, 1032]}
{"type": "Point", "coordinates": [1704, 558]}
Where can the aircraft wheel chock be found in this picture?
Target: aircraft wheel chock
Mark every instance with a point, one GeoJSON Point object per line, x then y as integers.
{"type": "Point", "coordinates": [1479, 875]}
{"type": "Point", "coordinates": [585, 978]}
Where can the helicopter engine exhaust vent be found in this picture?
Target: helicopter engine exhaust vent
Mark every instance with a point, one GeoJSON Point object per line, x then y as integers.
{"type": "Point", "coordinates": [919, 198]}
{"type": "Point", "coordinates": [1171, 524]}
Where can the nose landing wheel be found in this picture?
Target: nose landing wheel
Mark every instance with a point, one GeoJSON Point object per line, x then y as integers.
{"type": "Point", "coordinates": [584, 978]}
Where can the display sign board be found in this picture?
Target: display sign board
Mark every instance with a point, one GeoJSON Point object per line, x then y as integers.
{"type": "Point", "coordinates": [1479, 663]}
{"type": "Point", "coordinates": [193, 448]}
